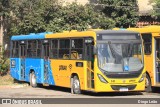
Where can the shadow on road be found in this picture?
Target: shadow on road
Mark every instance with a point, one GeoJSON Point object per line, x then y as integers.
{"type": "Point", "coordinates": [68, 90]}
{"type": "Point", "coordinates": [110, 94]}
{"type": "Point", "coordinates": [156, 90]}
{"type": "Point", "coordinates": [57, 88]}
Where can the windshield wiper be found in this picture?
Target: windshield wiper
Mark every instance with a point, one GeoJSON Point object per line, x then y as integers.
{"type": "Point", "coordinates": [129, 55]}
{"type": "Point", "coordinates": [112, 51]}
{"type": "Point", "coordinates": [130, 49]}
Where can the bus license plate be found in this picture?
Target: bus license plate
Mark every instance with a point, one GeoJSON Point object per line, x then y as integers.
{"type": "Point", "coordinates": [123, 89]}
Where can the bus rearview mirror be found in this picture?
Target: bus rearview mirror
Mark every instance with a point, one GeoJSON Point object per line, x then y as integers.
{"type": "Point", "coordinates": [94, 50]}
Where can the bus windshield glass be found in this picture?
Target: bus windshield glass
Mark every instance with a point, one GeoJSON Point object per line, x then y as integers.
{"type": "Point", "coordinates": [120, 57]}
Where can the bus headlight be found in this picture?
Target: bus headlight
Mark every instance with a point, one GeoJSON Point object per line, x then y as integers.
{"type": "Point", "coordinates": [101, 78]}
{"type": "Point", "coordinates": [142, 77]}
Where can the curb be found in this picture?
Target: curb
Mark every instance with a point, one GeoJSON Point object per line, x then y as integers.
{"type": "Point", "coordinates": [13, 86]}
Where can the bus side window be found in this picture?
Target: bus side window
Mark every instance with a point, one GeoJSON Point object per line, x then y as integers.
{"type": "Point", "coordinates": [38, 49]}
{"type": "Point", "coordinates": [54, 49]}
{"type": "Point", "coordinates": [64, 48]}
{"type": "Point", "coordinates": [31, 48]}
{"type": "Point", "coordinates": [77, 48]}
{"type": "Point", "coordinates": [147, 39]}
{"type": "Point", "coordinates": [15, 47]}
{"type": "Point", "coordinates": [74, 55]}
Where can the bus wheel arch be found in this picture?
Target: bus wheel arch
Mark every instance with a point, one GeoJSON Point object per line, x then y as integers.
{"type": "Point", "coordinates": [32, 76]}
{"type": "Point", "coordinates": [148, 83]}
{"type": "Point", "coordinates": [75, 84]}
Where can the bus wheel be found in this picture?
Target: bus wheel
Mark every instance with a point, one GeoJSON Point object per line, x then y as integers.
{"type": "Point", "coordinates": [148, 84]}
{"type": "Point", "coordinates": [33, 82]}
{"type": "Point", "coordinates": [76, 85]}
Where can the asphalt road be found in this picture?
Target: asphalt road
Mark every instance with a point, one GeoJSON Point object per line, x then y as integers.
{"type": "Point", "coordinates": [59, 92]}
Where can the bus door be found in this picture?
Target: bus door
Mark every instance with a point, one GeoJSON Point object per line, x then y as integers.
{"type": "Point", "coordinates": [22, 50]}
{"type": "Point", "coordinates": [46, 60]}
{"type": "Point", "coordinates": [89, 56]}
{"type": "Point", "coordinates": [157, 47]}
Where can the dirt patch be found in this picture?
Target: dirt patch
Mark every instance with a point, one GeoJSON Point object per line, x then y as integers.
{"type": "Point", "coordinates": [7, 81]}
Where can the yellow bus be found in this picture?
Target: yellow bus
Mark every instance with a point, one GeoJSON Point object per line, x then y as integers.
{"type": "Point", "coordinates": [151, 39]}
{"type": "Point", "coordinates": [97, 61]}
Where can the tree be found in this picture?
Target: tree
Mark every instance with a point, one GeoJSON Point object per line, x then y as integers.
{"type": "Point", "coordinates": [4, 8]}
{"type": "Point", "coordinates": [33, 16]}
{"type": "Point", "coordinates": [156, 8]}
{"type": "Point", "coordinates": [78, 17]}
{"type": "Point", "coordinates": [4, 65]}
{"type": "Point", "coordinates": [28, 15]}
{"type": "Point", "coordinates": [123, 12]}
{"type": "Point", "coordinates": [4, 22]}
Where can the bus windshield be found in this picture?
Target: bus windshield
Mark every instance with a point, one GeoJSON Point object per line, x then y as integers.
{"type": "Point", "coordinates": [120, 57]}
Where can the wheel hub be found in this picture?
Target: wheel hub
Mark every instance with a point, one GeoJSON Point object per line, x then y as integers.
{"type": "Point", "coordinates": [76, 84]}
{"type": "Point", "coordinates": [33, 79]}
{"type": "Point", "coordinates": [147, 82]}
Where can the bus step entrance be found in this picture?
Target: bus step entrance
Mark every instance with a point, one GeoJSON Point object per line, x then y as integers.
{"type": "Point", "coordinates": [22, 69]}
{"type": "Point", "coordinates": [46, 74]}
{"type": "Point", "coordinates": [46, 60]}
{"type": "Point", "coordinates": [157, 60]}
{"type": "Point", "coordinates": [158, 74]}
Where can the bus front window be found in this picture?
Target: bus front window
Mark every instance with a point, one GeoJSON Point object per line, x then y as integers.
{"type": "Point", "coordinates": [120, 57]}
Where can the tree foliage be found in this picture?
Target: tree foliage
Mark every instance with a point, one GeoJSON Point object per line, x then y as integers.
{"type": "Point", "coordinates": [123, 12]}
{"type": "Point", "coordinates": [4, 5]}
{"type": "Point", "coordinates": [78, 17]}
{"type": "Point", "coordinates": [156, 8]}
{"type": "Point", "coordinates": [30, 15]}
{"type": "Point", "coordinates": [27, 16]}
{"type": "Point", "coordinates": [4, 65]}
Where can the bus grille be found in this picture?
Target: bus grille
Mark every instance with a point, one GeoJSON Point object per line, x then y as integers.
{"type": "Point", "coordinates": [117, 87]}
{"type": "Point", "coordinates": [129, 75]}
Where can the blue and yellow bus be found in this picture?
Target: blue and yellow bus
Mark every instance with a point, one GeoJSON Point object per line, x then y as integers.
{"type": "Point", "coordinates": [93, 60]}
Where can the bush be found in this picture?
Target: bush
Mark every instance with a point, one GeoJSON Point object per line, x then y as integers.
{"type": "Point", "coordinates": [4, 65]}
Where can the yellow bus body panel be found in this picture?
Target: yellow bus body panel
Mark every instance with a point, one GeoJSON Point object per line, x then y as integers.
{"type": "Point", "coordinates": [62, 77]}
{"type": "Point", "coordinates": [74, 34]}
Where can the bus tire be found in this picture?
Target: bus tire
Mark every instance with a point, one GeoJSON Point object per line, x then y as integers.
{"type": "Point", "coordinates": [76, 85]}
{"type": "Point", "coordinates": [148, 87]}
{"type": "Point", "coordinates": [33, 82]}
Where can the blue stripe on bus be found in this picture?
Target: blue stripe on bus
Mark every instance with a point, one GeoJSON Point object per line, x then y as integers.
{"type": "Point", "coordinates": [37, 65]}
{"type": "Point", "coordinates": [30, 36]}
{"type": "Point", "coordinates": [50, 75]}
{"type": "Point", "coordinates": [31, 63]}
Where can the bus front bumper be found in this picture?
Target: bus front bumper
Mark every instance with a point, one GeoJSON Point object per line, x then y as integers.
{"type": "Point", "coordinates": [120, 87]}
